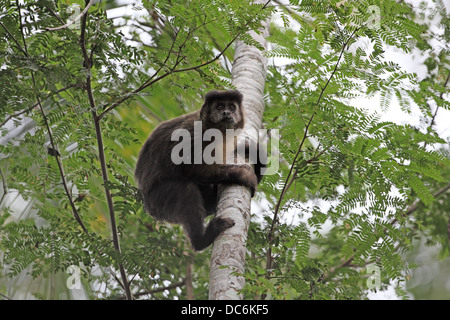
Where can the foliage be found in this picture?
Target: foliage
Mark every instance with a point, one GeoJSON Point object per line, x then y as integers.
{"type": "Point", "coordinates": [353, 189]}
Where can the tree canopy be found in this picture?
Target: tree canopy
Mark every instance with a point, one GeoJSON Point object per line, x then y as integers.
{"type": "Point", "coordinates": [81, 89]}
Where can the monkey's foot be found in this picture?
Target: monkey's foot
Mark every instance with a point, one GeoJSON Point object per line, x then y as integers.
{"type": "Point", "coordinates": [215, 227]}
{"type": "Point", "coordinates": [220, 224]}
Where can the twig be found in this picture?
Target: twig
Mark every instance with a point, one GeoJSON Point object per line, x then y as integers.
{"type": "Point", "coordinates": [14, 39]}
{"type": "Point", "coordinates": [294, 175]}
{"type": "Point", "coordinates": [433, 118]}
{"type": "Point", "coordinates": [287, 184]}
{"type": "Point", "coordinates": [52, 141]}
{"type": "Point", "coordinates": [5, 187]}
{"type": "Point", "coordinates": [440, 96]}
{"type": "Point", "coordinates": [101, 154]}
{"type": "Point", "coordinates": [82, 14]}
{"type": "Point", "coordinates": [149, 82]}
{"type": "Point", "coordinates": [413, 207]}
{"type": "Point", "coordinates": [169, 287]}
{"type": "Point", "coordinates": [35, 105]}
{"type": "Point", "coordinates": [5, 297]}
{"type": "Point", "coordinates": [408, 211]}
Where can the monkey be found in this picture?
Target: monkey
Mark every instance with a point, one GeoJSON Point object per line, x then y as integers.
{"type": "Point", "coordinates": [186, 193]}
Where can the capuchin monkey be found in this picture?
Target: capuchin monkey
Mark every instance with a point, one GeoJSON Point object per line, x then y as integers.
{"type": "Point", "coordinates": [186, 193]}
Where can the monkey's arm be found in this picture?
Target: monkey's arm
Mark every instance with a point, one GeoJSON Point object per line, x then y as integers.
{"type": "Point", "coordinates": [223, 174]}
{"type": "Point", "coordinates": [255, 154]}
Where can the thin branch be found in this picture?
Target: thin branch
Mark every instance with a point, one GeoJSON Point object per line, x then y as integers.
{"type": "Point", "coordinates": [5, 297]}
{"type": "Point", "coordinates": [144, 85]}
{"type": "Point", "coordinates": [408, 212]}
{"type": "Point", "coordinates": [417, 204]}
{"type": "Point", "coordinates": [82, 14]}
{"type": "Point", "coordinates": [5, 187]}
{"type": "Point", "coordinates": [168, 73]}
{"type": "Point", "coordinates": [52, 141]}
{"type": "Point", "coordinates": [310, 121]}
{"type": "Point", "coordinates": [53, 13]}
{"type": "Point", "coordinates": [15, 115]}
{"type": "Point", "coordinates": [14, 39]}
{"type": "Point", "coordinates": [149, 82]}
{"type": "Point", "coordinates": [295, 15]}
{"type": "Point", "coordinates": [188, 280]}
{"type": "Point", "coordinates": [287, 182]}
{"type": "Point", "coordinates": [101, 154]}
{"type": "Point", "coordinates": [433, 118]}
{"type": "Point", "coordinates": [169, 287]}
{"type": "Point", "coordinates": [294, 175]}
{"type": "Point", "coordinates": [440, 96]}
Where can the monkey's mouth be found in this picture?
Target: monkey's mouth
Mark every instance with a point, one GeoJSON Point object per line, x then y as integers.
{"type": "Point", "coordinates": [228, 120]}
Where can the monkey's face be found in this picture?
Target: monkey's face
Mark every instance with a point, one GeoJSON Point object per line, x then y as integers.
{"type": "Point", "coordinates": [222, 110]}
{"type": "Point", "coordinates": [225, 114]}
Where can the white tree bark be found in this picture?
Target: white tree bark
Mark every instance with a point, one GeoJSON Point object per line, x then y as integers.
{"type": "Point", "coordinates": [229, 250]}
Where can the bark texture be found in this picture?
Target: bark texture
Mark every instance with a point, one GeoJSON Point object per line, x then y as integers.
{"type": "Point", "coordinates": [228, 254]}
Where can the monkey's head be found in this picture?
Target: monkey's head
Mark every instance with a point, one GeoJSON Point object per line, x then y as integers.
{"type": "Point", "coordinates": [222, 110]}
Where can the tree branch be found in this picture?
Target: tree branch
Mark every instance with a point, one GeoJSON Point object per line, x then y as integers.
{"type": "Point", "coordinates": [287, 184]}
{"type": "Point", "coordinates": [35, 105]}
{"type": "Point", "coordinates": [440, 96]}
{"type": "Point", "coordinates": [13, 38]}
{"type": "Point", "coordinates": [5, 187]}
{"type": "Point", "coordinates": [47, 125]}
{"type": "Point", "coordinates": [169, 287]}
{"type": "Point", "coordinates": [149, 82]}
{"type": "Point", "coordinates": [101, 154]}
{"type": "Point", "coordinates": [227, 262]}
{"type": "Point", "coordinates": [173, 70]}
{"type": "Point", "coordinates": [408, 212]}
{"type": "Point", "coordinates": [433, 118]}
{"type": "Point", "coordinates": [82, 14]}
{"type": "Point", "coordinates": [417, 204]}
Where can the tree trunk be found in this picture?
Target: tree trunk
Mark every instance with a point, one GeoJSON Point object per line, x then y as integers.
{"type": "Point", "coordinates": [248, 75]}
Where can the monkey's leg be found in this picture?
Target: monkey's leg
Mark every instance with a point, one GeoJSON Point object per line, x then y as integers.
{"type": "Point", "coordinates": [194, 213]}
{"type": "Point", "coordinates": [182, 202]}
{"type": "Point", "coordinates": [210, 197]}
{"type": "Point", "coordinates": [202, 238]}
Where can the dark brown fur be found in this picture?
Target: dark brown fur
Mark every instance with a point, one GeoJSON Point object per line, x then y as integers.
{"type": "Point", "coordinates": [187, 193]}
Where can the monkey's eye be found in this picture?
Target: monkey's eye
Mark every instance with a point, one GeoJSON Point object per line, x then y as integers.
{"type": "Point", "coordinates": [219, 107]}
{"type": "Point", "coordinates": [232, 107]}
